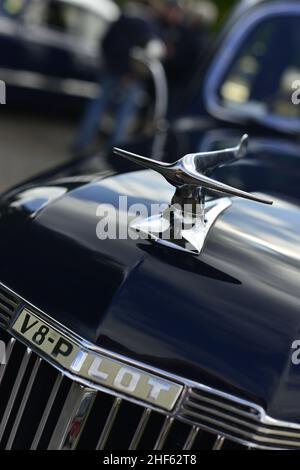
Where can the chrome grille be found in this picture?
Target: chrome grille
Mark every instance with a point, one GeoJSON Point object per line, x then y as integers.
{"type": "Point", "coordinates": [208, 409]}
{"type": "Point", "coordinates": [42, 409]}
{"type": "Point", "coordinates": [8, 306]}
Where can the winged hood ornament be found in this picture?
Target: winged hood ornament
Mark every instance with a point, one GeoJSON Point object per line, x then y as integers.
{"type": "Point", "coordinates": [187, 221]}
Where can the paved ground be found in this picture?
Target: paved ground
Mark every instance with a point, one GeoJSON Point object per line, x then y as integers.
{"type": "Point", "coordinates": [30, 144]}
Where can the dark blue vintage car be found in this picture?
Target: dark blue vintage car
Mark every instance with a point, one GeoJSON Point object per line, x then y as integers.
{"type": "Point", "coordinates": [51, 47]}
{"type": "Point", "coordinates": [182, 329]}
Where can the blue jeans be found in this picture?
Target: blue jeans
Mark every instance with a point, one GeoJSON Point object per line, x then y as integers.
{"type": "Point", "coordinates": [97, 107]}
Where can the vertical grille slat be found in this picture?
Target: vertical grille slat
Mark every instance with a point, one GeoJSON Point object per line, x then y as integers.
{"type": "Point", "coordinates": [72, 418]}
{"type": "Point", "coordinates": [140, 429]}
{"type": "Point", "coordinates": [9, 350]}
{"type": "Point", "coordinates": [14, 392]}
{"type": "Point", "coordinates": [17, 421]}
{"type": "Point", "coordinates": [164, 433]}
{"type": "Point", "coordinates": [109, 424]}
{"type": "Point", "coordinates": [191, 438]}
{"type": "Point", "coordinates": [219, 443]}
{"type": "Point", "coordinates": [46, 413]}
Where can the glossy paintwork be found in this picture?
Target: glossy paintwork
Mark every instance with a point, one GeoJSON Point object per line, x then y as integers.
{"type": "Point", "coordinates": [226, 319]}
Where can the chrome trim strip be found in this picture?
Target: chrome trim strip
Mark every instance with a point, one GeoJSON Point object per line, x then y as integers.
{"type": "Point", "coordinates": [219, 443]}
{"type": "Point", "coordinates": [224, 57]}
{"type": "Point", "coordinates": [9, 351]}
{"type": "Point", "coordinates": [46, 413]}
{"type": "Point", "coordinates": [73, 418]}
{"type": "Point", "coordinates": [23, 404]}
{"type": "Point", "coordinates": [8, 306]}
{"type": "Point", "coordinates": [36, 81]}
{"type": "Point", "coordinates": [191, 438]}
{"type": "Point", "coordinates": [14, 392]}
{"type": "Point", "coordinates": [200, 397]}
{"type": "Point", "coordinates": [109, 424]}
{"type": "Point", "coordinates": [165, 430]}
{"type": "Point", "coordinates": [140, 429]}
{"type": "Point", "coordinates": [237, 421]}
{"type": "Point", "coordinates": [218, 426]}
{"type": "Point", "coordinates": [8, 300]}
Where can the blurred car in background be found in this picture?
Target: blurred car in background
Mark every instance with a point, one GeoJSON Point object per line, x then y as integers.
{"type": "Point", "coordinates": [53, 46]}
{"type": "Point", "coordinates": [253, 75]}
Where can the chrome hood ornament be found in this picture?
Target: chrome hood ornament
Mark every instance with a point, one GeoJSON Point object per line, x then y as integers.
{"type": "Point", "coordinates": [188, 219]}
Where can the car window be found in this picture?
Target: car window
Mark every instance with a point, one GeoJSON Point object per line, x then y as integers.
{"type": "Point", "coordinates": [264, 71]}
{"type": "Point", "coordinates": [66, 18]}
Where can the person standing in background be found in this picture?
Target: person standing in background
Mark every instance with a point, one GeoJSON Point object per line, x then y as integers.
{"type": "Point", "coordinates": [135, 28]}
{"type": "Point", "coordinates": [186, 39]}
